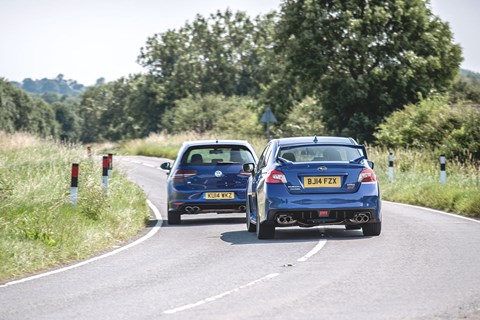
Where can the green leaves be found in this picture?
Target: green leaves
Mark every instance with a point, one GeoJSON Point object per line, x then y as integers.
{"type": "Point", "coordinates": [366, 59]}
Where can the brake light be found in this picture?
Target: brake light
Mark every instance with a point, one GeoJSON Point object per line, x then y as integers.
{"type": "Point", "coordinates": [275, 176]}
{"type": "Point", "coordinates": [183, 174]}
{"type": "Point", "coordinates": [367, 175]}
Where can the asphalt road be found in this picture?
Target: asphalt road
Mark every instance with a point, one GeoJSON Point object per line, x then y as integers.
{"type": "Point", "coordinates": [425, 265]}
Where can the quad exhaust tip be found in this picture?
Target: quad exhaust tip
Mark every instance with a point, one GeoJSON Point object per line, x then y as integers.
{"type": "Point", "coordinates": [360, 217]}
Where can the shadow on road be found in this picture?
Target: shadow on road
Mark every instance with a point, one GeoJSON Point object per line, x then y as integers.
{"type": "Point", "coordinates": [289, 235]}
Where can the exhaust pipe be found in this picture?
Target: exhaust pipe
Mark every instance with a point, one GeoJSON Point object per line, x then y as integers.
{"type": "Point", "coordinates": [285, 219]}
{"type": "Point", "coordinates": [196, 209]}
{"type": "Point", "coordinates": [188, 209]}
{"type": "Point", "coordinates": [242, 208]}
{"type": "Point", "coordinates": [360, 218]}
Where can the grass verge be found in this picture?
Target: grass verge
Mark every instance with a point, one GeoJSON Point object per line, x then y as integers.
{"type": "Point", "coordinates": [39, 228]}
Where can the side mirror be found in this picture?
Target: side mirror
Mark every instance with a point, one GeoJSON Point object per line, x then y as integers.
{"type": "Point", "coordinates": [248, 167]}
{"type": "Point", "coordinates": [370, 164]}
{"type": "Point", "coordinates": [166, 166]}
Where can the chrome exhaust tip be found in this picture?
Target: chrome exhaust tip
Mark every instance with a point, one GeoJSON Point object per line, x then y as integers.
{"type": "Point", "coordinates": [242, 208]}
{"type": "Point", "coordinates": [360, 218]}
{"type": "Point", "coordinates": [285, 219]}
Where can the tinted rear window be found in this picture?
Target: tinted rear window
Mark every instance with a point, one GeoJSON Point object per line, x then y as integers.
{"type": "Point", "coordinates": [213, 155]}
{"type": "Point", "coordinates": [310, 153]}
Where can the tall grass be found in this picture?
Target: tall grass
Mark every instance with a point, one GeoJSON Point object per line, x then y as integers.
{"type": "Point", "coordinates": [39, 228]}
{"type": "Point", "coordinates": [417, 180]}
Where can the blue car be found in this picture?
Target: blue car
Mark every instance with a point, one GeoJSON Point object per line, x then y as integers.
{"type": "Point", "coordinates": [313, 181]}
{"type": "Point", "coordinates": [208, 176]}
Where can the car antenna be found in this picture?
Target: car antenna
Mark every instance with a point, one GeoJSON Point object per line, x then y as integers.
{"type": "Point", "coordinates": [315, 140]}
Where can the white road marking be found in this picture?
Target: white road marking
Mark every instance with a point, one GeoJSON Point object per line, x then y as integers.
{"type": "Point", "coordinates": [321, 243]}
{"type": "Point", "coordinates": [221, 295]}
{"type": "Point", "coordinates": [138, 241]}
{"type": "Point", "coordinates": [435, 211]}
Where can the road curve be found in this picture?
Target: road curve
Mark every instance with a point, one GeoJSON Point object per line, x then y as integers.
{"type": "Point", "coordinates": [425, 265]}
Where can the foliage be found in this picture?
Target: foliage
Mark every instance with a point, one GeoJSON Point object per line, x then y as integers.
{"type": "Point", "coordinates": [58, 85]}
{"type": "Point", "coordinates": [227, 53]}
{"type": "Point", "coordinates": [305, 119]}
{"type": "Point", "coordinates": [213, 113]}
{"type": "Point", "coordinates": [38, 226]}
{"type": "Point", "coordinates": [433, 124]}
{"type": "Point", "coordinates": [466, 88]}
{"type": "Point", "coordinates": [364, 59]}
{"type": "Point", "coordinates": [20, 112]}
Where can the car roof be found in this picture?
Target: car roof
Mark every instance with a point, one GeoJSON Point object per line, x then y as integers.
{"type": "Point", "coordinates": [216, 142]}
{"type": "Point", "coordinates": [319, 140]}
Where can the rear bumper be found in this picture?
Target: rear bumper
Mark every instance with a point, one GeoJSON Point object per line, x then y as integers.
{"type": "Point", "coordinates": [182, 202]}
{"type": "Point", "coordinates": [322, 209]}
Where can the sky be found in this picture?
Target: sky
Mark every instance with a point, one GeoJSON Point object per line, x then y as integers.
{"type": "Point", "coordinates": [89, 39]}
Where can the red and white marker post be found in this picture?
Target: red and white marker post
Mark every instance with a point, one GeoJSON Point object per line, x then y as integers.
{"type": "Point", "coordinates": [74, 185]}
{"type": "Point", "coordinates": [105, 174]}
{"type": "Point", "coordinates": [110, 164]}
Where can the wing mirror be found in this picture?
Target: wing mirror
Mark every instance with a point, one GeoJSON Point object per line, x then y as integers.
{"type": "Point", "coordinates": [166, 166]}
{"type": "Point", "coordinates": [370, 164]}
{"type": "Point", "coordinates": [248, 167]}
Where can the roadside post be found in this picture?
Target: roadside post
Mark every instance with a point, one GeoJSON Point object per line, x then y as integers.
{"type": "Point", "coordinates": [390, 166]}
{"type": "Point", "coordinates": [443, 172]}
{"type": "Point", "coordinates": [74, 185]}
{"type": "Point", "coordinates": [110, 164]}
{"type": "Point", "coordinates": [267, 118]}
{"type": "Point", "coordinates": [105, 174]}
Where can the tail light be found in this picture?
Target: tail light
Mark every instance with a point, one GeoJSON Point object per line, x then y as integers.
{"type": "Point", "coordinates": [275, 176]}
{"type": "Point", "coordinates": [181, 174]}
{"type": "Point", "coordinates": [367, 175]}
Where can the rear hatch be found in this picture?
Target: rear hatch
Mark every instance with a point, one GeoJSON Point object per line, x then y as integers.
{"type": "Point", "coordinates": [211, 177]}
{"type": "Point", "coordinates": [321, 177]}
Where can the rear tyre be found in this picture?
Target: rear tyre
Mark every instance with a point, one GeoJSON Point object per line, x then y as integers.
{"type": "Point", "coordinates": [265, 230]}
{"type": "Point", "coordinates": [174, 217]}
{"type": "Point", "coordinates": [372, 229]}
{"type": "Point", "coordinates": [250, 226]}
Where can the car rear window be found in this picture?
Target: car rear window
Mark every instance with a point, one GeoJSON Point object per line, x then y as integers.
{"type": "Point", "coordinates": [313, 153]}
{"type": "Point", "coordinates": [214, 155]}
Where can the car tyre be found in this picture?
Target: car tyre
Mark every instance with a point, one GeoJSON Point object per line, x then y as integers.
{"type": "Point", "coordinates": [372, 229]}
{"type": "Point", "coordinates": [265, 230]}
{"type": "Point", "coordinates": [250, 226]}
{"type": "Point", "coordinates": [174, 217]}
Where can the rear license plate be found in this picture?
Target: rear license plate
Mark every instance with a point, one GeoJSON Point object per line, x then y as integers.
{"type": "Point", "coordinates": [321, 182]}
{"type": "Point", "coordinates": [219, 195]}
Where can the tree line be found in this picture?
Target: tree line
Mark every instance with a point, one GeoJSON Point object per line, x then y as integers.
{"type": "Point", "coordinates": [323, 67]}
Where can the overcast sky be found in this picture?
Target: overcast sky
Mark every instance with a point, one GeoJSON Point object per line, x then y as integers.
{"type": "Point", "coordinates": [89, 39]}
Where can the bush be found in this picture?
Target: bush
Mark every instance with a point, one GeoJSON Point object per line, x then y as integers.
{"type": "Point", "coordinates": [433, 124]}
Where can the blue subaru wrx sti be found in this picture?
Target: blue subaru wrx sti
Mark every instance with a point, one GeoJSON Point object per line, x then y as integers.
{"type": "Point", "coordinates": [208, 176]}
{"type": "Point", "coordinates": [312, 181]}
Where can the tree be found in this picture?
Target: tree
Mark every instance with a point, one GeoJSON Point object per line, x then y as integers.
{"type": "Point", "coordinates": [364, 59]}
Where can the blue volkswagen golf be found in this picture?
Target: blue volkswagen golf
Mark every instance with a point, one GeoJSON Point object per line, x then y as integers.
{"type": "Point", "coordinates": [208, 176]}
{"type": "Point", "coordinates": [313, 181]}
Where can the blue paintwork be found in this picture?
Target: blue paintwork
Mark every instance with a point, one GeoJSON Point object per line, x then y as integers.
{"type": "Point", "coordinates": [267, 200]}
{"type": "Point", "coordinates": [191, 190]}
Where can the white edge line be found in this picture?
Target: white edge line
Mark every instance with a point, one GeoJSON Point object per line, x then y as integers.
{"type": "Point", "coordinates": [434, 210]}
{"type": "Point", "coordinates": [321, 243]}
{"type": "Point", "coordinates": [221, 295]}
{"type": "Point", "coordinates": [111, 253]}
